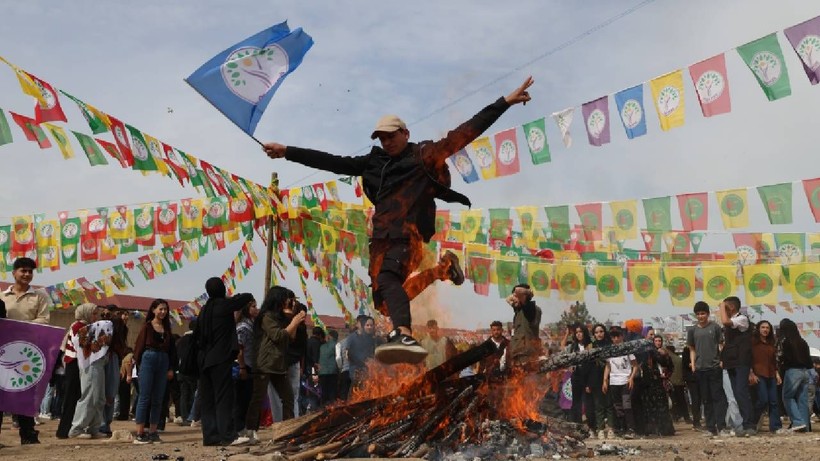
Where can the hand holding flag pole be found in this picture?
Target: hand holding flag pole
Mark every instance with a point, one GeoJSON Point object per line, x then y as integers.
{"type": "Point", "coordinates": [241, 80]}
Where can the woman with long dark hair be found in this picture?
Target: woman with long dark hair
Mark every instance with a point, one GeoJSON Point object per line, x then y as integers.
{"type": "Point", "coordinates": [154, 357]}
{"type": "Point", "coordinates": [581, 392]}
{"type": "Point", "coordinates": [604, 413]}
{"type": "Point", "coordinates": [765, 375]}
{"type": "Point", "coordinates": [794, 363]}
{"type": "Point", "coordinates": [273, 330]}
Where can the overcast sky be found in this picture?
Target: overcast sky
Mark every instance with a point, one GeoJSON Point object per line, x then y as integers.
{"type": "Point", "coordinates": [434, 63]}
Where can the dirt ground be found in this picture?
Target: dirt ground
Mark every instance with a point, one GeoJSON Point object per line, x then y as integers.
{"type": "Point", "coordinates": [185, 443]}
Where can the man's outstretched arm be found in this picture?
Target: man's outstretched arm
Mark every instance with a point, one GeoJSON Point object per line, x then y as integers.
{"type": "Point", "coordinates": [353, 166]}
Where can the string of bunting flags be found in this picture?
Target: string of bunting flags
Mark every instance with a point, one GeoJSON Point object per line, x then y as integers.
{"type": "Point", "coordinates": [492, 157]}
{"type": "Point", "coordinates": [131, 147]}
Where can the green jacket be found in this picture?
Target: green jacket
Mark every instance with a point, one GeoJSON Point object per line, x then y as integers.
{"type": "Point", "coordinates": [271, 342]}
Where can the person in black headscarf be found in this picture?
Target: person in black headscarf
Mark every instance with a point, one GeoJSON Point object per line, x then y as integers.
{"type": "Point", "coordinates": [218, 345]}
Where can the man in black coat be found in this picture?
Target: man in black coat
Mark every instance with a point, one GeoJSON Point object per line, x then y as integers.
{"type": "Point", "coordinates": [218, 346]}
{"type": "Point", "coordinates": [402, 179]}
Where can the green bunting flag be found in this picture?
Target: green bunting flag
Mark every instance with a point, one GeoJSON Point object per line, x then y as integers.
{"type": "Point", "coordinates": [765, 59]}
{"type": "Point", "coordinates": [777, 201]}
{"type": "Point", "coordinates": [658, 217]}
{"type": "Point", "coordinates": [142, 156]}
{"type": "Point", "coordinates": [536, 134]}
{"type": "Point", "coordinates": [94, 154]}
{"type": "Point", "coordinates": [93, 116]}
{"type": "Point", "coordinates": [508, 272]}
{"type": "Point", "coordinates": [5, 131]}
{"type": "Point", "coordinates": [558, 217]}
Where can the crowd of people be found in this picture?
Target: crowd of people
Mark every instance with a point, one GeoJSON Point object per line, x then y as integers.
{"type": "Point", "coordinates": [240, 366]}
{"type": "Point", "coordinates": [729, 374]}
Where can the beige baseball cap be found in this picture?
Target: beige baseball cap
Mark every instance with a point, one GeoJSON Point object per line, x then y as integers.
{"type": "Point", "coordinates": [388, 124]}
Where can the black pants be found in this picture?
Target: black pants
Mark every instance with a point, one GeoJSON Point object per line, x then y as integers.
{"type": "Point", "coordinates": [187, 389]}
{"type": "Point", "coordinates": [694, 401]}
{"type": "Point", "coordinates": [391, 262]}
{"type": "Point", "coordinates": [26, 423]}
{"type": "Point", "coordinates": [330, 387]}
{"type": "Point", "coordinates": [344, 385]}
{"type": "Point", "coordinates": [124, 393]}
{"type": "Point", "coordinates": [216, 400]}
{"type": "Point", "coordinates": [243, 390]}
{"type": "Point", "coordinates": [582, 403]}
{"type": "Point", "coordinates": [283, 388]}
{"type": "Point", "coordinates": [714, 401]}
{"type": "Point", "coordinates": [620, 397]}
{"type": "Point", "coordinates": [679, 407]}
{"type": "Point", "coordinates": [71, 395]}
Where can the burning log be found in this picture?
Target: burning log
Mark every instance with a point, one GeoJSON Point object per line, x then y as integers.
{"type": "Point", "coordinates": [433, 412]}
{"type": "Point", "coordinates": [559, 361]}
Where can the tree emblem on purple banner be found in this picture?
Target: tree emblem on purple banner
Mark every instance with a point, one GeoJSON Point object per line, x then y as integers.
{"type": "Point", "coordinates": [22, 365]}
{"type": "Point", "coordinates": [631, 113]}
{"type": "Point", "coordinates": [596, 123]}
{"type": "Point", "coordinates": [809, 51]}
{"type": "Point", "coordinates": [767, 67]}
{"type": "Point", "coordinates": [680, 288]}
{"type": "Point", "coordinates": [760, 285]}
{"type": "Point", "coordinates": [732, 205]}
{"type": "Point", "coordinates": [249, 72]}
{"type": "Point", "coordinates": [807, 285]}
{"type": "Point", "coordinates": [668, 100]}
{"type": "Point", "coordinates": [710, 86]}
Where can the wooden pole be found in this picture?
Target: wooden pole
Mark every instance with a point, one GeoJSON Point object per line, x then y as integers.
{"type": "Point", "coordinates": [274, 188]}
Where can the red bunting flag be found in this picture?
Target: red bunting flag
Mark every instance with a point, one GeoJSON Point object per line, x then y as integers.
{"type": "Point", "coordinates": [31, 130]}
{"type": "Point", "coordinates": [694, 211]}
{"type": "Point", "coordinates": [506, 153]}
{"type": "Point", "coordinates": [48, 107]}
{"type": "Point", "coordinates": [121, 138]}
{"type": "Point", "coordinates": [812, 188]}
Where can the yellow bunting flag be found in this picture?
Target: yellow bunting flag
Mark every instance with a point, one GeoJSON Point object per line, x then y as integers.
{"type": "Point", "coordinates": [609, 281]}
{"type": "Point", "coordinates": [645, 281]}
{"type": "Point", "coordinates": [28, 85]}
{"type": "Point", "coordinates": [719, 281]}
{"type": "Point", "coordinates": [667, 92]}
{"type": "Point", "coordinates": [734, 208]}
{"type": "Point", "coordinates": [483, 153]}
{"type": "Point", "coordinates": [680, 281]}
{"type": "Point", "coordinates": [58, 133]}
{"type": "Point", "coordinates": [805, 282]}
{"type": "Point", "coordinates": [570, 279]}
{"type": "Point", "coordinates": [624, 214]}
{"type": "Point", "coordinates": [760, 282]}
{"type": "Point", "coordinates": [539, 276]}
{"type": "Point", "coordinates": [471, 224]}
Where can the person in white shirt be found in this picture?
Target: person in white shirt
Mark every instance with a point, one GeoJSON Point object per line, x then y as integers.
{"type": "Point", "coordinates": [619, 382]}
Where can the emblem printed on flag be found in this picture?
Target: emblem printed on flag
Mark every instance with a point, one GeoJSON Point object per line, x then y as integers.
{"type": "Point", "coordinates": [241, 80]}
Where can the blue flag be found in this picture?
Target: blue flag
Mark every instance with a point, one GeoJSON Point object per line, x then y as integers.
{"type": "Point", "coordinates": [630, 109]}
{"type": "Point", "coordinates": [241, 80]}
{"type": "Point", "coordinates": [461, 161]}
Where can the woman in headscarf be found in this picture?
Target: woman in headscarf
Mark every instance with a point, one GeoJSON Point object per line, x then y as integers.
{"type": "Point", "coordinates": [656, 367]}
{"type": "Point", "coordinates": [91, 344]}
{"type": "Point", "coordinates": [154, 356]}
{"type": "Point", "coordinates": [84, 314]}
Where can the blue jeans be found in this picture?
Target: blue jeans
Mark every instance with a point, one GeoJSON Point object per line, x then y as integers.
{"type": "Point", "coordinates": [796, 396]}
{"type": "Point", "coordinates": [739, 377]}
{"type": "Point", "coordinates": [153, 376]}
{"type": "Point", "coordinates": [767, 397]}
{"type": "Point", "coordinates": [112, 385]}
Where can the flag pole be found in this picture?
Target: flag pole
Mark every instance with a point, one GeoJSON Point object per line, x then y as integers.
{"type": "Point", "coordinates": [274, 185]}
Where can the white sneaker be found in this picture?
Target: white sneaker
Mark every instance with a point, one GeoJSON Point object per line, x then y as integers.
{"type": "Point", "coordinates": [239, 441]}
{"type": "Point", "coordinates": [782, 431]}
{"type": "Point", "coordinates": [798, 428]}
{"type": "Point", "coordinates": [195, 424]}
{"type": "Point", "coordinates": [37, 421]}
{"type": "Point", "coordinates": [44, 416]}
{"type": "Point", "coordinates": [601, 435]}
{"type": "Point", "coordinates": [610, 434]}
{"type": "Point", "coordinates": [85, 435]}
{"type": "Point", "coordinates": [178, 420]}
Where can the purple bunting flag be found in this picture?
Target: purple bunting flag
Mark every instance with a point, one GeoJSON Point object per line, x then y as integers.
{"type": "Point", "coordinates": [805, 39]}
{"type": "Point", "coordinates": [596, 120]}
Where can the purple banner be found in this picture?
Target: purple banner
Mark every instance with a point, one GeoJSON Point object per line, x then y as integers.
{"type": "Point", "coordinates": [28, 353]}
{"type": "Point", "coordinates": [596, 120]}
{"type": "Point", "coordinates": [805, 39]}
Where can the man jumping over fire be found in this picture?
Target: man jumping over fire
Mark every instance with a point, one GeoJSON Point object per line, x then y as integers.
{"type": "Point", "coordinates": [402, 179]}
